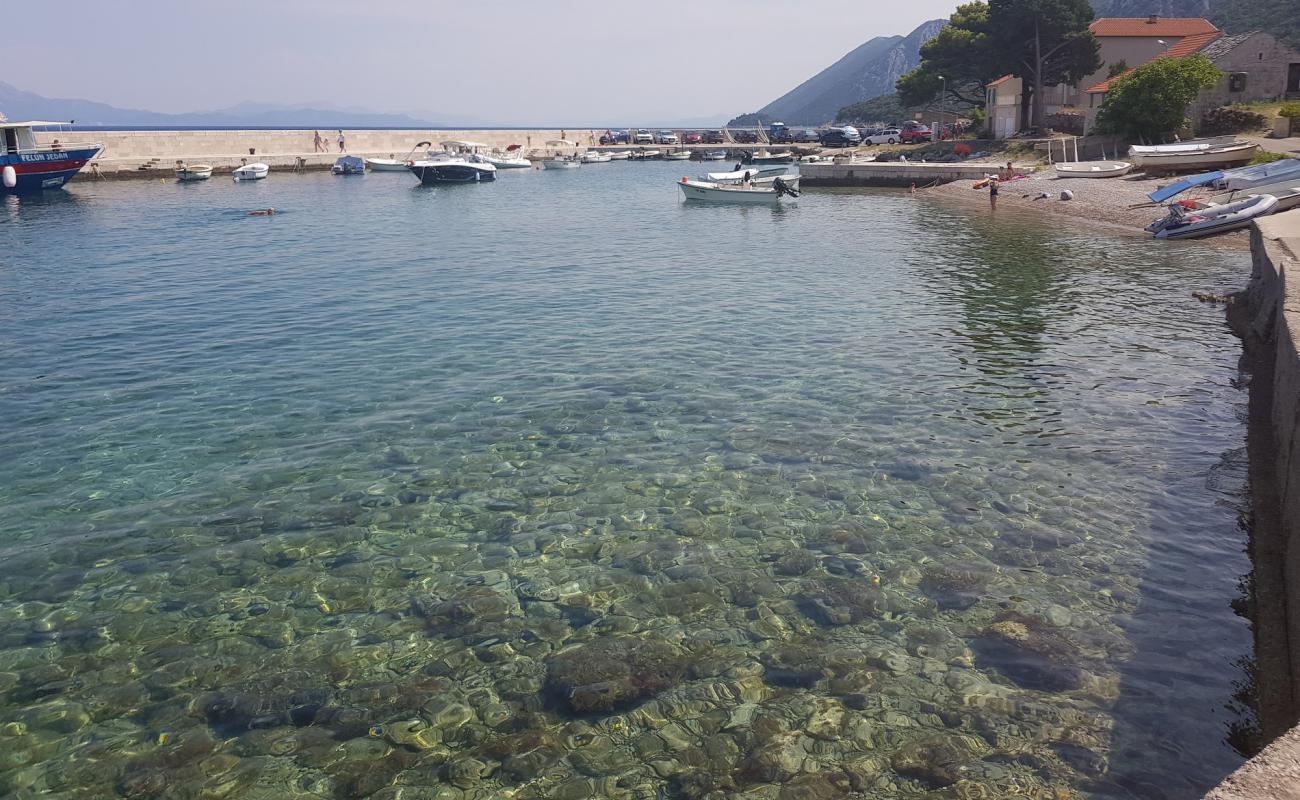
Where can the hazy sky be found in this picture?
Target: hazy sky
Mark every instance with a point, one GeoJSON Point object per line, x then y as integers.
{"type": "Point", "coordinates": [562, 62]}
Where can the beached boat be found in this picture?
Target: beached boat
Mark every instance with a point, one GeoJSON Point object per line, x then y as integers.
{"type": "Point", "coordinates": [1094, 169]}
{"type": "Point", "coordinates": [737, 176]}
{"type": "Point", "coordinates": [251, 172]}
{"type": "Point", "coordinates": [678, 155]}
{"type": "Point", "coordinates": [26, 166]}
{"type": "Point", "coordinates": [1188, 156]}
{"type": "Point", "coordinates": [188, 173]}
{"type": "Point", "coordinates": [596, 157]}
{"type": "Point", "coordinates": [706, 191]}
{"type": "Point", "coordinates": [1258, 175]}
{"type": "Point", "coordinates": [1184, 223]}
{"type": "Point", "coordinates": [1286, 191]}
{"type": "Point", "coordinates": [349, 165]}
{"type": "Point", "coordinates": [451, 168]}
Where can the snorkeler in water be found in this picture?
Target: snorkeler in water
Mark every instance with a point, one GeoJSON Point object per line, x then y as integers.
{"type": "Point", "coordinates": [262, 212]}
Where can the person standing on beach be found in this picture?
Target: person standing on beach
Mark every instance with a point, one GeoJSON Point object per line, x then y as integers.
{"type": "Point", "coordinates": [317, 142]}
{"type": "Point", "coordinates": [342, 143]}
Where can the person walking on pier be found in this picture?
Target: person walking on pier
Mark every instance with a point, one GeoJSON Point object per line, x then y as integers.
{"type": "Point", "coordinates": [342, 143]}
{"type": "Point", "coordinates": [318, 142]}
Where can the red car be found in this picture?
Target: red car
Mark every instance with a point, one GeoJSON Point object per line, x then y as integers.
{"type": "Point", "coordinates": [692, 138]}
{"type": "Point", "coordinates": [920, 133]}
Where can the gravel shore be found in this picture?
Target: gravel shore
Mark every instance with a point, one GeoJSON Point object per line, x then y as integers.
{"type": "Point", "coordinates": [1115, 203]}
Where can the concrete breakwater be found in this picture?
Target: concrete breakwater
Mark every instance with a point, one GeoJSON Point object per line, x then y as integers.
{"type": "Point", "coordinates": [149, 153]}
{"type": "Point", "coordinates": [1267, 317]}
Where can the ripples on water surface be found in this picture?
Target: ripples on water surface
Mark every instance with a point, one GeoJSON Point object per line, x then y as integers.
{"type": "Point", "coordinates": [559, 488]}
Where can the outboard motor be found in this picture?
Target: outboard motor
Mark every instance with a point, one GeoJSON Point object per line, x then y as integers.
{"type": "Point", "coordinates": [782, 187]}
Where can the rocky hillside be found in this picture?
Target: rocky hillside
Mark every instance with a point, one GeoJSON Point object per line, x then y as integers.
{"type": "Point", "coordinates": [869, 71]}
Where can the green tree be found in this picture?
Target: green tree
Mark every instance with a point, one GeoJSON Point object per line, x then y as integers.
{"type": "Point", "coordinates": [1046, 42]}
{"type": "Point", "coordinates": [885, 108]}
{"type": "Point", "coordinates": [1150, 103]}
{"type": "Point", "coordinates": [959, 59]}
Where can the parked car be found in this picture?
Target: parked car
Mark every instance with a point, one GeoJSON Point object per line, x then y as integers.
{"type": "Point", "coordinates": [920, 133]}
{"type": "Point", "coordinates": [666, 137]}
{"type": "Point", "coordinates": [744, 137]}
{"type": "Point", "coordinates": [715, 137]}
{"type": "Point", "coordinates": [644, 136]}
{"type": "Point", "coordinates": [616, 137]}
{"type": "Point", "coordinates": [692, 138]}
{"type": "Point", "coordinates": [778, 133]}
{"type": "Point", "coordinates": [808, 136]}
{"type": "Point", "coordinates": [883, 136]}
{"type": "Point", "coordinates": [846, 136]}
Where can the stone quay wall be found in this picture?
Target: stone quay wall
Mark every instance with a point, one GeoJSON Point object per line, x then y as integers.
{"type": "Point", "coordinates": [151, 152]}
{"type": "Point", "coordinates": [1267, 317]}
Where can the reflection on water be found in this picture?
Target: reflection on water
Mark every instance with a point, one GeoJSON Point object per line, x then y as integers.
{"type": "Point", "coordinates": [560, 488]}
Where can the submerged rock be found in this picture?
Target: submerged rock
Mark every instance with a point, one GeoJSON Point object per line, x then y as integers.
{"type": "Point", "coordinates": [614, 673]}
{"type": "Point", "coordinates": [1030, 653]}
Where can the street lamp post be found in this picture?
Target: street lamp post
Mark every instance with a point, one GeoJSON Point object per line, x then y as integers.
{"type": "Point", "coordinates": [943, 95]}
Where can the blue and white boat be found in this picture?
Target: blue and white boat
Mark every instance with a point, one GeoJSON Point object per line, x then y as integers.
{"type": "Point", "coordinates": [26, 166]}
{"type": "Point", "coordinates": [349, 165]}
{"type": "Point", "coordinates": [450, 168]}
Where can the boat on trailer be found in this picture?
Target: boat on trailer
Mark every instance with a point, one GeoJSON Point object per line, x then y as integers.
{"type": "Point", "coordinates": [26, 166]}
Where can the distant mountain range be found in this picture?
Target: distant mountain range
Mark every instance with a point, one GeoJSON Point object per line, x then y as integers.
{"type": "Point", "coordinates": [19, 105]}
{"type": "Point", "coordinates": [867, 72]}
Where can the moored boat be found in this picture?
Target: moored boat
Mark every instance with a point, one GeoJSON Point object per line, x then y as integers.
{"type": "Point", "coordinates": [251, 172]}
{"type": "Point", "coordinates": [1094, 169]}
{"type": "Point", "coordinates": [189, 173]}
{"type": "Point", "coordinates": [451, 168]}
{"type": "Point", "coordinates": [1184, 223]}
{"type": "Point", "coordinates": [766, 157]}
{"type": "Point", "coordinates": [562, 162]}
{"type": "Point", "coordinates": [1188, 156]}
{"type": "Point", "coordinates": [715, 155]}
{"type": "Point", "coordinates": [754, 173]}
{"type": "Point", "coordinates": [706, 191]}
{"type": "Point", "coordinates": [26, 166]}
{"type": "Point", "coordinates": [620, 155]}
{"type": "Point", "coordinates": [349, 165]}
{"type": "Point", "coordinates": [596, 157]}
{"type": "Point", "coordinates": [678, 155]}
{"type": "Point", "coordinates": [510, 158]}
{"type": "Point", "coordinates": [394, 164]}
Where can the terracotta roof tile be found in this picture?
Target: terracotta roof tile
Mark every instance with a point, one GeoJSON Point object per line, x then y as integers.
{"type": "Point", "coordinates": [1143, 26]}
{"type": "Point", "coordinates": [1000, 81]}
{"type": "Point", "coordinates": [1188, 45]}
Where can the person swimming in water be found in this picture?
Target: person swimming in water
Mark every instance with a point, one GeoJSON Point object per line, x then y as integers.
{"type": "Point", "coordinates": [262, 212]}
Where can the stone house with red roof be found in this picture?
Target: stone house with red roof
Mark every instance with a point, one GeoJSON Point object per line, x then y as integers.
{"type": "Point", "coordinates": [1256, 65]}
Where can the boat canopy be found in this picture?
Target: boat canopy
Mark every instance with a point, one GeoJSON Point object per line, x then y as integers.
{"type": "Point", "coordinates": [1178, 187]}
{"type": "Point", "coordinates": [471, 145]}
{"type": "Point", "coordinates": [31, 124]}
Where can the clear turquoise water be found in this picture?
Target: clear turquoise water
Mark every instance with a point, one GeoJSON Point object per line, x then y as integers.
{"type": "Point", "coordinates": [559, 487]}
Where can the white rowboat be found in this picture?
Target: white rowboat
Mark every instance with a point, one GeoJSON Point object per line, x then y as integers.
{"type": "Point", "coordinates": [562, 163]}
{"type": "Point", "coordinates": [705, 191]}
{"type": "Point", "coordinates": [1094, 169]}
{"type": "Point", "coordinates": [1174, 158]}
{"type": "Point", "coordinates": [251, 172]}
{"type": "Point", "coordinates": [187, 173]}
{"type": "Point", "coordinates": [386, 165]}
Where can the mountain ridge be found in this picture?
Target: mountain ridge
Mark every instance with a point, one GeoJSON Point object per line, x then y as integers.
{"type": "Point", "coordinates": [866, 72]}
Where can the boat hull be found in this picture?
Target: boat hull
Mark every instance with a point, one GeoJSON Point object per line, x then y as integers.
{"type": "Point", "coordinates": [561, 164]}
{"type": "Point", "coordinates": [35, 172]}
{"type": "Point", "coordinates": [1094, 169]}
{"type": "Point", "coordinates": [251, 172]}
{"type": "Point", "coordinates": [1191, 161]}
{"type": "Point", "coordinates": [385, 165]}
{"type": "Point", "coordinates": [192, 174]}
{"type": "Point", "coordinates": [716, 193]}
{"type": "Point", "coordinates": [432, 174]}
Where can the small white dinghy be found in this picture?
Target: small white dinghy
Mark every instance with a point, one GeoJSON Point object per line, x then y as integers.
{"type": "Point", "coordinates": [620, 155]}
{"type": "Point", "coordinates": [563, 162]}
{"type": "Point", "coordinates": [765, 194]}
{"type": "Point", "coordinates": [193, 172]}
{"type": "Point", "coordinates": [678, 155]}
{"type": "Point", "coordinates": [1196, 223]}
{"type": "Point", "coordinates": [1094, 169]}
{"type": "Point", "coordinates": [386, 165]}
{"type": "Point", "coordinates": [596, 157]}
{"type": "Point", "coordinates": [251, 172]}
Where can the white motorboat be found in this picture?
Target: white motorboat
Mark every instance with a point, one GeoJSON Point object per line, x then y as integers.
{"type": "Point", "coordinates": [678, 155]}
{"type": "Point", "coordinates": [394, 164]}
{"type": "Point", "coordinates": [1184, 223]}
{"type": "Point", "coordinates": [596, 157]}
{"type": "Point", "coordinates": [1188, 156]}
{"type": "Point", "coordinates": [1094, 169]}
{"type": "Point", "coordinates": [562, 162]}
{"type": "Point", "coordinates": [754, 173]}
{"type": "Point", "coordinates": [1259, 175]}
{"type": "Point", "coordinates": [620, 155]}
{"type": "Point", "coordinates": [187, 173]}
{"type": "Point", "coordinates": [644, 155]}
{"type": "Point", "coordinates": [505, 160]}
{"type": "Point", "coordinates": [445, 167]}
{"type": "Point", "coordinates": [706, 191]}
{"type": "Point", "coordinates": [251, 172]}
{"type": "Point", "coordinates": [715, 155]}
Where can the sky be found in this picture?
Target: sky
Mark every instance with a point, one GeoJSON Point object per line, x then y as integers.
{"type": "Point", "coordinates": [508, 62]}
